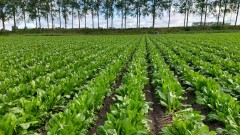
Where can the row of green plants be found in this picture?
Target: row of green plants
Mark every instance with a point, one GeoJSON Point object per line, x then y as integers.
{"type": "Point", "coordinates": [29, 90]}
{"type": "Point", "coordinates": [26, 68]}
{"type": "Point", "coordinates": [127, 115]}
{"type": "Point", "coordinates": [81, 113]}
{"type": "Point", "coordinates": [224, 108]}
{"type": "Point", "coordinates": [223, 45]}
{"type": "Point", "coordinates": [226, 64]}
{"type": "Point", "coordinates": [18, 56]}
{"type": "Point", "coordinates": [183, 119]}
{"type": "Point", "coordinates": [16, 77]}
{"type": "Point", "coordinates": [230, 83]}
{"type": "Point", "coordinates": [32, 111]}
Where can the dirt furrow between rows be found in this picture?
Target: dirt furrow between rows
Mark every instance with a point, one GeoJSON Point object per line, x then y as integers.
{"type": "Point", "coordinates": [156, 113]}
{"type": "Point", "coordinates": [109, 100]}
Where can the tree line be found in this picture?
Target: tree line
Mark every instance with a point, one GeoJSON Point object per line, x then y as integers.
{"type": "Point", "coordinates": [68, 10]}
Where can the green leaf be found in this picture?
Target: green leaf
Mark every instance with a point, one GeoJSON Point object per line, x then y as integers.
{"type": "Point", "coordinates": [25, 125]}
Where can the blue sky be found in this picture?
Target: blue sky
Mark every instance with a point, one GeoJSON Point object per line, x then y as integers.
{"type": "Point", "coordinates": [176, 20]}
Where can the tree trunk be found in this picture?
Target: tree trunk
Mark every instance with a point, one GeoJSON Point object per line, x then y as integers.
{"type": "Point", "coordinates": [24, 18]}
{"type": "Point", "coordinates": [85, 20]}
{"type": "Point", "coordinates": [184, 20]}
{"type": "Point", "coordinates": [36, 23]}
{"type": "Point", "coordinates": [51, 12]}
{"type": "Point", "coordinates": [201, 16]}
{"type": "Point", "coordinates": [153, 14]}
{"type": "Point", "coordinates": [60, 21]}
{"type": "Point", "coordinates": [112, 21]}
{"type": "Point", "coordinates": [98, 18]}
{"type": "Point", "coordinates": [125, 21]}
{"type": "Point", "coordinates": [65, 22]}
{"type": "Point", "coordinates": [39, 18]}
{"type": "Point", "coordinates": [237, 14]}
{"type": "Point", "coordinates": [107, 23]}
{"type": "Point", "coordinates": [187, 17]}
{"type": "Point", "coordinates": [14, 20]}
{"type": "Point", "coordinates": [169, 14]}
{"type": "Point", "coordinates": [224, 14]}
{"type": "Point", "coordinates": [139, 24]}
{"type": "Point", "coordinates": [206, 8]}
{"type": "Point", "coordinates": [137, 18]}
{"type": "Point", "coordinates": [47, 22]}
{"type": "Point", "coordinates": [122, 18]}
{"type": "Point", "coordinates": [39, 22]}
{"type": "Point", "coordinates": [3, 22]}
{"type": "Point", "coordinates": [92, 19]}
{"type": "Point", "coordinates": [219, 11]}
{"type": "Point", "coordinates": [125, 4]}
{"type": "Point", "coordinates": [79, 20]}
{"type": "Point", "coordinates": [153, 25]}
{"type": "Point", "coordinates": [107, 19]}
{"type": "Point", "coordinates": [72, 18]}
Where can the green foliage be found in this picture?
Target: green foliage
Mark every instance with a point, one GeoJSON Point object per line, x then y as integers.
{"type": "Point", "coordinates": [187, 122]}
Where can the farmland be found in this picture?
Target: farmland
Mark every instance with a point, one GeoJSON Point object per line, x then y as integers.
{"type": "Point", "coordinates": [179, 84]}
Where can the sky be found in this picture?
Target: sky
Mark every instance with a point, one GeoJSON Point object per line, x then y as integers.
{"type": "Point", "coordinates": [176, 20]}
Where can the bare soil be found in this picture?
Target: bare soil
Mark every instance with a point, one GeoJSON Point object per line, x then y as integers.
{"type": "Point", "coordinates": [156, 115]}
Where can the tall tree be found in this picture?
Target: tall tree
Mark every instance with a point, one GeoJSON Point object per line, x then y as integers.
{"type": "Point", "coordinates": [39, 7]}
{"type": "Point", "coordinates": [138, 9]}
{"type": "Point", "coordinates": [181, 7]}
{"type": "Point", "coordinates": [120, 8]}
{"type": "Point", "coordinates": [85, 11]}
{"type": "Point", "coordinates": [73, 5]}
{"type": "Point", "coordinates": [23, 9]}
{"type": "Point", "coordinates": [105, 10]}
{"type": "Point", "coordinates": [97, 7]}
{"type": "Point", "coordinates": [3, 12]}
{"type": "Point", "coordinates": [59, 10]}
{"type": "Point", "coordinates": [65, 11]}
{"type": "Point", "coordinates": [80, 12]}
{"type": "Point", "coordinates": [217, 9]}
{"type": "Point", "coordinates": [237, 12]}
{"type": "Point", "coordinates": [227, 9]}
{"type": "Point", "coordinates": [157, 8]}
{"type": "Point", "coordinates": [108, 11]}
{"type": "Point", "coordinates": [169, 4]}
{"type": "Point", "coordinates": [111, 11]}
{"type": "Point", "coordinates": [13, 6]}
{"type": "Point", "coordinates": [52, 11]}
{"type": "Point", "coordinates": [136, 5]}
{"type": "Point", "coordinates": [127, 11]}
{"type": "Point", "coordinates": [32, 11]}
{"type": "Point", "coordinates": [207, 4]}
{"type": "Point", "coordinates": [189, 9]}
{"type": "Point", "coordinates": [144, 10]}
{"type": "Point", "coordinates": [46, 10]}
{"type": "Point", "coordinates": [91, 6]}
{"type": "Point", "coordinates": [199, 8]}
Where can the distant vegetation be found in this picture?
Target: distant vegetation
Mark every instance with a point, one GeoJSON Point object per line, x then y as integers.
{"type": "Point", "coordinates": [115, 31]}
{"type": "Point", "coordinates": [63, 11]}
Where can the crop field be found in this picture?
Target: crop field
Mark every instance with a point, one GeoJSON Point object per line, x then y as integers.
{"type": "Point", "coordinates": [175, 84]}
